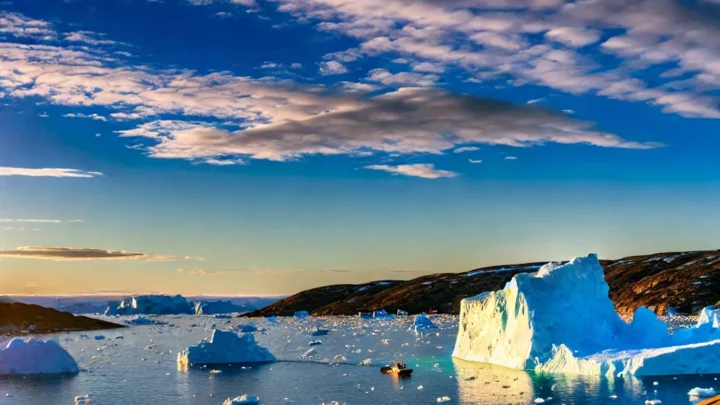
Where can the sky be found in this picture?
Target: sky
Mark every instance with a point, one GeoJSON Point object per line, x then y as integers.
{"type": "Point", "coordinates": [260, 147]}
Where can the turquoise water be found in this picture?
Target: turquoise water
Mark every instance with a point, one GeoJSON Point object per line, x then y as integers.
{"type": "Point", "coordinates": [141, 368]}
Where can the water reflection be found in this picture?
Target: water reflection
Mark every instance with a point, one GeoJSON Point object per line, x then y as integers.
{"type": "Point", "coordinates": [480, 383]}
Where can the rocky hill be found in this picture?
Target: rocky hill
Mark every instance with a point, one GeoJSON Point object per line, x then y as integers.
{"type": "Point", "coordinates": [16, 317]}
{"type": "Point", "coordinates": [686, 281]}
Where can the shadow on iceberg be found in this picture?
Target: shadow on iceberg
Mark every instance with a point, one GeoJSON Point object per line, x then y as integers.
{"type": "Point", "coordinates": [35, 357]}
{"type": "Point", "coordinates": [225, 348]}
{"type": "Point", "coordinates": [561, 320]}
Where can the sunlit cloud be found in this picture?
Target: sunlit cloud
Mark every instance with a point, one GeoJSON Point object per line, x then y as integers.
{"type": "Point", "coordinates": [424, 170]}
{"type": "Point", "coordinates": [69, 253]}
{"type": "Point", "coordinates": [46, 172]}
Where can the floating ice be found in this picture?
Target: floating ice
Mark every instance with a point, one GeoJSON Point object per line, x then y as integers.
{"type": "Point", "coordinates": [141, 320]}
{"type": "Point", "coordinates": [152, 304]}
{"type": "Point", "coordinates": [698, 392]}
{"type": "Point", "coordinates": [302, 314]}
{"type": "Point", "coordinates": [560, 319]}
{"type": "Point", "coordinates": [215, 307]}
{"type": "Point", "coordinates": [423, 323]}
{"type": "Point", "coordinates": [242, 400]}
{"type": "Point", "coordinates": [34, 356]}
{"type": "Point", "coordinates": [226, 347]}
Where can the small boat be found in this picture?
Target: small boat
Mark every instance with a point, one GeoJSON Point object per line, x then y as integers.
{"type": "Point", "coordinates": [399, 369]}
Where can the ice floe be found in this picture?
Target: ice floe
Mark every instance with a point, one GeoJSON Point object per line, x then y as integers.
{"type": "Point", "coordinates": [560, 319]}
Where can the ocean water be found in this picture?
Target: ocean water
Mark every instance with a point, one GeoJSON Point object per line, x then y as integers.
{"type": "Point", "coordinates": [138, 365]}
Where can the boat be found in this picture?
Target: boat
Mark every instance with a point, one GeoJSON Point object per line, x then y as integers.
{"type": "Point", "coordinates": [399, 369]}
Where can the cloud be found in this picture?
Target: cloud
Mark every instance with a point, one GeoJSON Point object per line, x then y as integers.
{"type": "Point", "coordinates": [63, 253]}
{"type": "Point", "coordinates": [573, 36]}
{"type": "Point", "coordinates": [535, 42]}
{"type": "Point", "coordinates": [67, 253]}
{"type": "Point", "coordinates": [423, 170]}
{"type": "Point", "coordinates": [409, 120]}
{"type": "Point", "coordinates": [33, 220]}
{"type": "Point", "coordinates": [46, 172]}
{"type": "Point", "coordinates": [205, 272]}
{"type": "Point", "coordinates": [464, 149]}
{"type": "Point", "coordinates": [475, 161]}
{"type": "Point", "coordinates": [537, 100]}
{"type": "Point", "coordinates": [89, 37]}
{"type": "Point", "coordinates": [510, 158]}
{"type": "Point", "coordinates": [332, 67]}
{"type": "Point", "coordinates": [90, 116]}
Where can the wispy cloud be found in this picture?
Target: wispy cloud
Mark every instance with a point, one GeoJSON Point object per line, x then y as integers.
{"type": "Point", "coordinates": [475, 161]}
{"type": "Point", "coordinates": [207, 272]}
{"type": "Point", "coordinates": [93, 116]}
{"type": "Point", "coordinates": [69, 253]}
{"type": "Point", "coordinates": [510, 157]}
{"type": "Point", "coordinates": [466, 149]}
{"type": "Point", "coordinates": [34, 220]}
{"type": "Point", "coordinates": [424, 170]}
{"type": "Point", "coordinates": [46, 172]}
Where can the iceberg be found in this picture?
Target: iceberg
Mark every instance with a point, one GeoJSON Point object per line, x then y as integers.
{"type": "Point", "coordinates": [302, 314]}
{"type": "Point", "coordinates": [152, 305]}
{"type": "Point", "coordinates": [226, 347]}
{"type": "Point", "coordinates": [216, 307]}
{"type": "Point", "coordinates": [242, 400]}
{"type": "Point", "coordinates": [561, 320]}
{"type": "Point", "coordinates": [422, 323]}
{"type": "Point", "coordinates": [34, 356]}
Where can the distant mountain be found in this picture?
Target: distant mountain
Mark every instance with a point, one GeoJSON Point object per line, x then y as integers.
{"type": "Point", "coordinates": [686, 281]}
{"type": "Point", "coordinates": [16, 317]}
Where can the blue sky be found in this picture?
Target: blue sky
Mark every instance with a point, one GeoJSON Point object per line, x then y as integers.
{"type": "Point", "coordinates": [263, 147]}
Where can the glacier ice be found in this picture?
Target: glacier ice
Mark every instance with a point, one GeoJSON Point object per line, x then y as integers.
{"type": "Point", "coordinates": [560, 319]}
{"type": "Point", "coordinates": [216, 307]}
{"type": "Point", "coordinates": [34, 356]}
{"type": "Point", "coordinates": [302, 314]}
{"type": "Point", "coordinates": [226, 347]}
{"type": "Point", "coordinates": [698, 392]}
{"type": "Point", "coordinates": [422, 323]}
{"type": "Point", "coordinates": [152, 305]}
{"type": "Point", "coordinates": [242, 400]}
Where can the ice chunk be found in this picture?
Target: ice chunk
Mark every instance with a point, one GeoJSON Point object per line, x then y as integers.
{"type": "Point", "coordinates": [302, 314]}
{"type": "Point", "coordinates": [698, 392]}
{"type": "Point", "coordinates": [226, 347]}
{"type": "Point", "coordinates": [34, 356]}
{"type": "Point", "coordinates": [709, 316]}
{"type": "Point", "coordinates": [141, 320]}
{"type": "Point", "coordinates": [242, 400]}
{"type": "Point", "coordinates": [560, 319]}
{"type": "Point", "coordinates": [422, 323]}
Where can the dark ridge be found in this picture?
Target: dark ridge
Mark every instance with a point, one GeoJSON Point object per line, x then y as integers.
{"type": "Point", "coordinates": [17, 317]}
{"type": "Point", "coordinates": [686, 281]}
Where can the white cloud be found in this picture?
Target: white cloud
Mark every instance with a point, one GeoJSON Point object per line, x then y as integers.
{"type": "Point", "coordinates": [573, 36]}
{"type": "Point", "coordinates": [475, 161]}
{"type": "Point", "coordinates": [33, 220]}
{"type": "Point", "coordinates": [402, 78]}
{"type": "Point", "coordinates": [46, 172]}
{"type": "Point", "coordinates": [423, 170]}
{"type": "Point", "coordinates": [93, 116]}
{"type": "Point", "coordinates": [332, 67]}
{"type": "Point", "coordinates": [537, 100]}
{"type": "Point", "coordinates": [427, 67]}
{"type": "Point", "coordinates": [463, 149]}
{"type": "Point", "coordinates": [510, 158]}
{"type": "Point", "coordinates": [89, 37]}
{"type": "Point", "coordinates": [399, 122]}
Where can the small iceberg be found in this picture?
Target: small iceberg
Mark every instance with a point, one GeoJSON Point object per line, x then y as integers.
{"type": "Point", "coordinates": [422, 323]}
{"type": "Point", "coordinates": [243, 400]}
{"type": "Point", "coordinates": [34, 356]}
{"type": "Point", "coordinates": [302, 314]}
{"type": "Point", "coordinates": [226, 347]}
{"type": "Point", "coordinates": [698, 392]}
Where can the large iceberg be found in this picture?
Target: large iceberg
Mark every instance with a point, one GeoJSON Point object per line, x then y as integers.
{"type": "Point", "coordinates": [560, 319]}
{"type": "Point", "coordinates": [152, 305]}
{"type": "Point", "coordinates": [34, 356]}
{"type": "Point", "coordinates": [226, 347]}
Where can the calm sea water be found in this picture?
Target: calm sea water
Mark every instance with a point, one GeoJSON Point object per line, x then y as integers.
{"type": "Point", "coordinates": [141, 368]}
